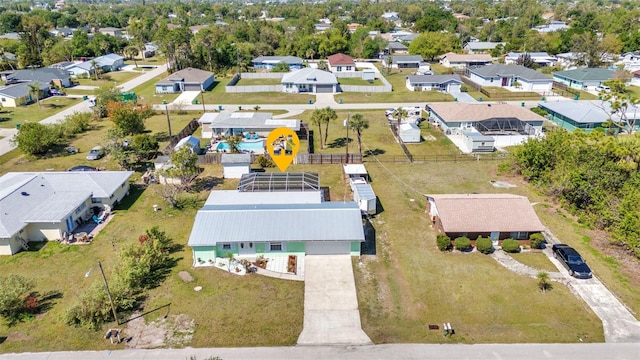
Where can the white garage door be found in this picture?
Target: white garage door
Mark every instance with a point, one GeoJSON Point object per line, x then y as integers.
{"type": "Point", "coordinates": [324, 89]}
{"type": "Point", "coordinates": [328, 248]}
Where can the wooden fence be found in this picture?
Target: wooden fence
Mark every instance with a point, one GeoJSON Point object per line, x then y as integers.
{"type": "Point", "coordinates": [394, 131]}
{"type": "Point", "coordinates": [186, 131]}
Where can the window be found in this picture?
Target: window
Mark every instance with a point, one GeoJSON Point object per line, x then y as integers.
{"type": "Point", "coordinates": [275, 246]}
{"type": "Point", "coordinates": [226, 246]}
{"type": "Point", "coordinates": [95, 201]}
{"type": "Point", "coordinates": [519, 235]}
{"type": "Point", "coordinates": [348, 68]}
{"type": "Point", "coordinates": [80, 208]}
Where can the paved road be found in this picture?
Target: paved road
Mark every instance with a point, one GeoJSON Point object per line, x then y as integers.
{"type": "Point", "coordinates": [6, 145]}
{"type": "Point", "coordinates": [387, 351]}
{"type": "Point", "coordinates": [331, 314]}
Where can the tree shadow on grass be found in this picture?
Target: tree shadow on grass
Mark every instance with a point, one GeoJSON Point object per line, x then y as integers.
{"type": "Point", "coordinates": [205, 183]}
{"type": "Point", "coordinates": [374, 152]}
{"type": "Point", "coordinates": [135, 191]}
{"type": "Point", "coordinates": [47, 300]}
{"type": "Point", "coordinates": [339, 143]}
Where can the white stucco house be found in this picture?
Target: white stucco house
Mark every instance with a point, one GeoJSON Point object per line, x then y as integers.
{"type": "Point", "coordinates": [309, 80]}
{"type": "Point", "coordinates": [448, 82]}
{"type": "Point", "coordinates": [462, 61]}
{"type": "Point", "coordinates": [510, 75]}
{"type": "Point", "coordinates": [42, 206]}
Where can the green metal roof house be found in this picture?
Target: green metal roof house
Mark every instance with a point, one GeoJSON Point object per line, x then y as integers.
{"type": "Point", "coordinates": [583, 79]}
{"type": "Point", "coordinates": [583, 115]}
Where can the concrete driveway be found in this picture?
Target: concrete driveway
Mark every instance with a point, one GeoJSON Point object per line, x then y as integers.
{"type": "Point", "coordinates": [619, 325]}
{"type": "Point", "coordinates": [331, 315]}
{"type": "Point", "coordinates": [186, 98]}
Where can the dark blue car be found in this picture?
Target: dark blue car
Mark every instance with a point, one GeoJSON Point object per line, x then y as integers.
{"type": "Point", "coordinates": [572, 260]}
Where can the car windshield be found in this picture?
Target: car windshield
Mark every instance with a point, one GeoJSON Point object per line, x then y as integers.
{"type": "Point", "coordinates": [575, 260]}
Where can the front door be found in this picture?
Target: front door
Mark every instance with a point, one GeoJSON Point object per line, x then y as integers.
{"type": "Point", "coordinates": [504, 81]}
{"type": "Point", "coordinates": [495, 236]}
{"type": "Point", "coordinates": [246, 248]}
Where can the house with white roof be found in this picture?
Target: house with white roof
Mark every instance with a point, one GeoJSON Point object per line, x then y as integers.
{"type": "Point", "coordinates": [110, 62]}
{"type": "Point", "coordinates": [541, 59]}
{"type": "Point", "coordinates": [510, 75]}
{"type": "Point", "coordinates": [238, 123]}
{"type": "Point", "coordinates": [447, 82]}
{"type": "Point", "coordinates": [43, 206]}
{"type": "Point", "coordinates": [551, 27]}
{"type": "Point", "coordinates": [80, 69]}
{"type": "Point", "coordinates": [586, 115]}
{"type": "Point", "coordinates": [402, 61]}
{"type": "Point", "coordinates": [463, 61]}
{"type": "Point", "coordinates": [269, 62]}
{"type": "Point", "coordinates": [275, 214]}
{"type": "Point", "coordinates": [480, 47]}
{"type": "Point", "coordinates": [309, 80]}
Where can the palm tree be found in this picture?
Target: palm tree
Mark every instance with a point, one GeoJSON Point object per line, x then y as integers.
{"type": "Point", "coordinates": [401, 114]}
{"type": "Point", "coordinates": [317, 119]}
{"type": "Point", "coordinates": [329, 116]}
{"type": "Point", "coordinates": [358, 123]}
{"type": "Point", "coordinates": [131, 51]}
{"type": "Point", "coordinates": [34, 89]}
{"type": "Point", "coordinates": [310, 53]}
{"type": "Point", "coordinates": [234, 142]}
{"type": "Point", "coordinates": [94, 66]}
{"type": "Point", "coordinates": [543, 281]}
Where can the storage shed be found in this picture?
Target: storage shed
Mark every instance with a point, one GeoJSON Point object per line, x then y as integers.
{"type": "Point", "coordinates": [409, 133]}
{"type": "Point", "coordinates": [191, 142]}
{"type": "Point", "coordinates": [365, 197]}
{"type": "Point", "coordinates": [235, 165]}
{"type": "Point", "coordinates": [476, 142]}
{"type": "Point", "coordinates": [368, 75]}
{"type": "Point", "coordinates": [353, 171]}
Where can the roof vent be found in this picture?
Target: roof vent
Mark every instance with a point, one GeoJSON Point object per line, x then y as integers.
{"type": "Point", "coordinates": [24, 193]}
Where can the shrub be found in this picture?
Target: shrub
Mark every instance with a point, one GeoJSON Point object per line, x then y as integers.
{"type": "Point", "coordinates": [462, 243]}
{"type": "Point", "coordinates": [464, 88]}
{"type": "Point", "coordinates": [511, 246]}
{"type": "Point", "coordinates": [444, 242]}
{"type": "Point", "coordinates": [264, 161]}
{"type": "Point", "coordinates": [536, 240]}
{"type": "Point", "coordinates": [484, 245]}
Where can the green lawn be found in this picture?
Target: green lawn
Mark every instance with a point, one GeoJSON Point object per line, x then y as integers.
{"type": "Point", "coordinates": [359, 82]}
{"type": "Point", "coordinates": [217, 95]}
{"type": "Point", "coordinates": [399, 94]}
{"type": "Point", "coordinates": [434, 143]}
{"type": "Point", "coordinates": [535, 259]}
{"type": "Point", "coordinates": [410, 283]}
{"type": "Point", "coordinates": [249, 82]}
{"type": "Point", "coordinates": [111, 78]}
{"type": "Point", "coordinates": [156, 60]}
{"type": "Point", "coordinates": [34, 113]}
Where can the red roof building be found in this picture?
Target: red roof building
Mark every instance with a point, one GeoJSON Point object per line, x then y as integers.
{"type": "Point", "coordinates": [341, 62]}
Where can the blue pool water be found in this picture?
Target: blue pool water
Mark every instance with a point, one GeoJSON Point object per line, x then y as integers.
{"type": "Point", "coordinates": [244, 145]}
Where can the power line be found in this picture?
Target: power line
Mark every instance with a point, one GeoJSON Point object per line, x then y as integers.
{"type": "Point", "coordinates": [391, 173]}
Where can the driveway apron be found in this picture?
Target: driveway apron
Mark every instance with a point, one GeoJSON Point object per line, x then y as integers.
{"type": "Point", "coordinates": [331, 315]}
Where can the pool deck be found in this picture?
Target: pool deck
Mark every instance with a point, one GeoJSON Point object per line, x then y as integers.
{"type": "Point", "coordinates": [215, 143]}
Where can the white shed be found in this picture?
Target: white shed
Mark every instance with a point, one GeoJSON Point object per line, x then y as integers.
{"type": "Point", "coordinates": [352, 171]}
{"type": "Point", "coordinates": [365, 197]}
{"type": "Point", "coordinates": [191, 142]}
{"type": "Point", "coordinates": [409, 133]}
{"type": "Point", "coordinates": [476, 142]}
{"type": "Point", "coordinates": [235, 165]}
{"type": "Point", "coordinates": [368, 74]}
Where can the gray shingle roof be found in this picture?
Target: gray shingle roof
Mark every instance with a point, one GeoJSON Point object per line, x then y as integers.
{"type": "Point", "coordinates": [394, 45]}
{"type": "Point", "coordinates": [496, 70]}
{"type": "Point", "coordinates": [42, 75]}
{"type": "Point", "coordinates": [188, 75]}
{"type": "Point", "coordinates": [586, 74]}
{"type": "Point", "coordinates": [236, 159]}
{"type": "Point", "coordinates": [20, 90]}
{"type": "Point", "coordinates": [327, 221]}
{"type": "Point", "coordinates": [434, 79]}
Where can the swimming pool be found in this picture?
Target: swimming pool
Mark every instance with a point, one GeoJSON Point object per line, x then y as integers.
{"type": "Point", "coordinates": [254, 146]}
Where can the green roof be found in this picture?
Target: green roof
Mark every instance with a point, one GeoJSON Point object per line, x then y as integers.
{"type": "Point", "coordinates": [587, 74]}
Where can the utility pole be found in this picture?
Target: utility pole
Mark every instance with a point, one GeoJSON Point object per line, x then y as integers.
{"type": "Point", "coordinates": [106, 285]}
{"type": "Point", "coordinates": [346, 158]}
{"type": "Point", "coordinates": [202, 97]}
{"type": "Point", "coordinates": [166, 110]}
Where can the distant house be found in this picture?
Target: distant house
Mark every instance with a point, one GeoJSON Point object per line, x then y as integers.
{"type": "Point", "coordinates": [269, 62]}
{"type": "Point", "coordinates": [110, 62]}
{"type": "Point", "coordinates": [448, 83]}
{"type": "Point", "coordinates": [583, 79]}
{"type": "Point", "coordinates": [41, 206]}
{"type": "Point", "coordinates": [480, 47]}
{"type": "Point", "coordinates": [406, 37]}
{"type": "Point", "coordinates": [585, 115]}
{"type": "Point", "coordinates": [463, 61]}
{"type": "Point", "coordinates": [10, 36]}
{"type": "Point", "coordinates": [309, 80]}
{"type": "Point", "coordinates": [188, 79]}
{"type": "Point", "coordinates": [551, 27]}
{"type": "Point", "coordinates": [49, 76]}
{"type": "Point", "coordinates": [456, 215]}
{"type": "Point", "coordinates": [568, 60]}
{"type": "Point", "coordinates": [394, 47]}
{"type": "Point", "coordinates": [289, 211]}
{"type": "Point", "coordinates": [341, 63]}
{"type": "Point", "coordinates": [195, 28]}
{"type": "Point", "coordinates": [507, 124]}
{"type": "Point", "coordinates": [391, 16]}
{"type": "Point", "coordinates": [541, 59]}
{"type": "Point", "coordinates": [402, 61]}
{"type": "Point", "coordinates": [235, 165]}
{"type": "Point", "coordinates": [63, 32]}
{"type": "Point", "coordinates": [508, 75]}
{"type": "Point", "coordinates": [19, 94]}
{"type": "Point", "coordinates": [115, 32]}
{"type": "Point", "coordinates": [80, 69]}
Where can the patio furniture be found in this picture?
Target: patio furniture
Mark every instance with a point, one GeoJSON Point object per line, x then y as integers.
{"type": "Point", "coordinates": [96, 219]}
{"type": "Point", "coordinates": [81, 236]}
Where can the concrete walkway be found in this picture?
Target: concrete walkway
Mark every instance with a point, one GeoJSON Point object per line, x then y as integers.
{"type": "Point", "coordinates": [384, 351]}
{"type": "Point", "coordinates": [331, 315]}
{"type": "Point", "coordinates": [522, 269]}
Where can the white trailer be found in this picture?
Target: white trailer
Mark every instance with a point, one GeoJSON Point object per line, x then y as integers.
{"type": "Point", "coordinates": [365, 197]}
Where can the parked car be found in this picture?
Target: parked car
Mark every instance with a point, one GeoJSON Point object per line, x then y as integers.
{"type": "Point", "coordinates": [96, 153]}
{"type": "Point", "coordinates": [390, 112]}
{"type": "Point", "coordinates": [56, 92]}
{"type": "Point", "coordinates": [83, 168]}
{"type": "Point", "coordinates": [571, 260]}
{"type": "Point", "coordinates": [604, 88]}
